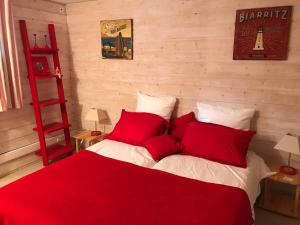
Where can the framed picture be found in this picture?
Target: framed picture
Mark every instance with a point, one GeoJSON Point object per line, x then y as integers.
{"type": "Point", "coordinates": [262, 33]}
{"type": "Point", "coordinates": [40, 65]}
{"type": "Point", "coordinates": [116, 39]}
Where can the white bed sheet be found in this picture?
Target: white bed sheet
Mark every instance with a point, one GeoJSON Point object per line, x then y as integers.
{"type": "Point", "coordinates": [124, 152]}
{"type": "Point", "coordinates": [247, 179]}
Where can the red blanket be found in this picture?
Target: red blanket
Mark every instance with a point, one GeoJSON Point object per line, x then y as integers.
{"type": "Point", "coordinates": [89, 189]}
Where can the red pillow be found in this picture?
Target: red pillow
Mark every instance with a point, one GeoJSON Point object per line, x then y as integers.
{"type": "Point", "coordinates": [162, 146]}
{"type": "Point", "coordinates": [217, 143]}
{"type": "Point", "coordinates": [178, 126]}
{"type": "Point", "coordinates": [136, 127]}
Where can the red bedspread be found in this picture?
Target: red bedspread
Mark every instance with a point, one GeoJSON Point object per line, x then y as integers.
{"type": "Point", "coordinates": [88, 189]}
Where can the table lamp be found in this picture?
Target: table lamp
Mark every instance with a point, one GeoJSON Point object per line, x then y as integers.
{"type": "Point", "coordinates": [97, 116]}
{"type": "Point", "coordinates": [290, 144]}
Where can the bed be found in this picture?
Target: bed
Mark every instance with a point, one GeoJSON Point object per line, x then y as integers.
{"type": "Point", "coordinates": [112, 189]}
{"type": "Point", "coordinates": [149, 171]}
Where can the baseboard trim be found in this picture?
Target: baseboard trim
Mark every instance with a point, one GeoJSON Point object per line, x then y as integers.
{"type": "Point", "coordinates": [17, 153]}
{"type": "Point", "coordinates": [13, 165]}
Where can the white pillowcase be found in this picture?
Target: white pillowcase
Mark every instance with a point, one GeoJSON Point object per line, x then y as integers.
{"type": "Point", "coordinates": [226, 116]}
{"type": "Point", "coordinates": [124, 152]}
{"type": "Point", "coordinates": [162, 106]}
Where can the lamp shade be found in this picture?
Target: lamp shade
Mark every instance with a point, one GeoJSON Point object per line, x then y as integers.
{"type": "Point", "coordinates": [92, 115]}
{"type": "Point", "coordinates": [95, 115]}
{"type": "Point", "coordinates": [289, 144]}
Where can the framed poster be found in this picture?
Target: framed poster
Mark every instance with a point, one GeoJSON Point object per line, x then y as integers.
{"type": "Point", "coordinates": [262, 33]}
{"type": "Point", "coordinates": [116, 39]}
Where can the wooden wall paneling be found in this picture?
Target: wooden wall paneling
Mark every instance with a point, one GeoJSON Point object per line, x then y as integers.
{"type": "Point", "coordinates": [16, 125]}
{"type": "Point", "coordinates": [184, 48]}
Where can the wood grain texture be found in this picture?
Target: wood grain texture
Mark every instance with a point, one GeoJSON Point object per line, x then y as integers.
{"type": "Point", "coordinates": [184, 48]}
{"type": "Point", "coordinates": [16, 125]}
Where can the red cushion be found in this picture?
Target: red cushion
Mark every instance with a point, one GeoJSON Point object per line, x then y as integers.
{"type": "Point", "coordinates": [217, 143]}
{"type": "Point", "coordinates": [162, 146]}
{"type": "Point", "coordinates": [178, 126]}
{"type": "Point", "coordinates": [136, 127]}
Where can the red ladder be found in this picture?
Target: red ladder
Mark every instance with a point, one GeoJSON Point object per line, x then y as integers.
{"type": "Point", "coordinates": [48, 153]}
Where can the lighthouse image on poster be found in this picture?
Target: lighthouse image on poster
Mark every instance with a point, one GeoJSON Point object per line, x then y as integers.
{"type": "Point", "coordinates": [259, 43]}
{"type": "Point", "coordinates": [116, 39]}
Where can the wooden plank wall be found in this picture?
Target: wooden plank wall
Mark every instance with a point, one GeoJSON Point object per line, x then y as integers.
{"type": "Point", "coordinates": [184, 48]}
{"type": "Point", "coordinates": [16, 125]}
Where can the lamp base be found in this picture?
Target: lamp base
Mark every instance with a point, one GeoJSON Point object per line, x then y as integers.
{"type": "Point", "coordinates": [288, 170]}
{"type": "Point", "coordinates": [95, 133]}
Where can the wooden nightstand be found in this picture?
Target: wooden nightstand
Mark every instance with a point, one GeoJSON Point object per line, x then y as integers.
{"type": "Point", "coordinates": [277, 200]}
{"type": "Point", "coordinates": [85, 136]}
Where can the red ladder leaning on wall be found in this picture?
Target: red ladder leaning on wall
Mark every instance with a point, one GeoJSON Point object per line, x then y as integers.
{"type": "Point", "coordinates": [48, 153]}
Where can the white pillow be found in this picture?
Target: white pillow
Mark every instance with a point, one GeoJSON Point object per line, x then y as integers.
{"type": "Point", "coordinates": [124, 152]}
{"type": "Point", "coordinates": [162, 106]}
{"type": "Point", "coordinates": [226, 116]}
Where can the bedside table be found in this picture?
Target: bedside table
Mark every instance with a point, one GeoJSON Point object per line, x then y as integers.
{"type": "Point", "coordinates": [279, 201]}
{"type": "Point", "coordinates": [85, 136]}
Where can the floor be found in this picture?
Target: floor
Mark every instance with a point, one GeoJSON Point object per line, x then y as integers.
{"type": "Point", "coordinates": [20, 173]}
{"type": "Point", "coordinates": [263, 217]}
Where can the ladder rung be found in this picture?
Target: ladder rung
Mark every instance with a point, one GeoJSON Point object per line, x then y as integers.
{"type": "Point", "coordinates": [44, 76]}
{"type": "Point", "coordinates": [53, 127]}
{"type": "Point", "coordinates": [49, 102]}
{"type": "Point", "coordinates": [43, 50]}
{"type": "Point", "coordinates": [56, 150]}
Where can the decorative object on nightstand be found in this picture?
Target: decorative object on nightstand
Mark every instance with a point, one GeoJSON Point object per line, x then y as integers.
{"type": "Point", "coordinates": [86, 136]}
{"type": "Point", "coordinates": [276, 198]}
{"type": "Point", "coordinates": [97, 116]}
{"type": "Point", "coordinates": [290, 144]}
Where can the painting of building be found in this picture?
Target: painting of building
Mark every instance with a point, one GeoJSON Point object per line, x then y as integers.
{"type": "Point", "coordinates": [116, 39]}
